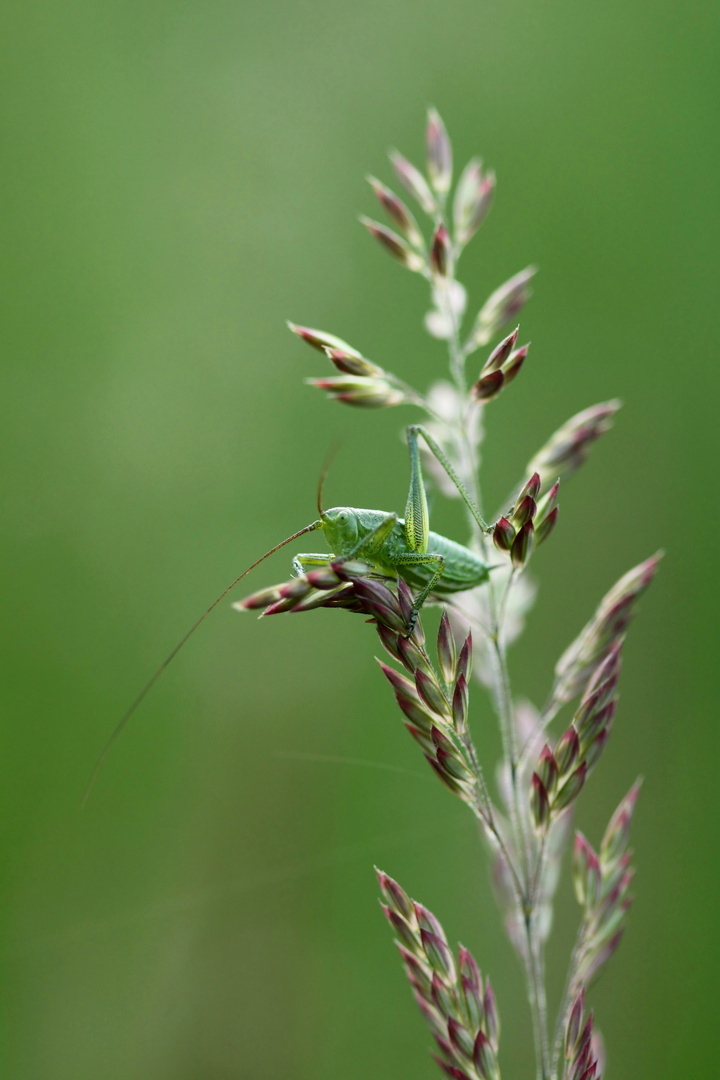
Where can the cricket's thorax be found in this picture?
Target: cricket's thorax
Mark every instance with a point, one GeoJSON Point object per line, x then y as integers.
{"type": "Point", "coordinates": [347, 527]}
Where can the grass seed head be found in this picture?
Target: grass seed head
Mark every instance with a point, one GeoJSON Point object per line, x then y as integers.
{"type": "Point", "coordinates": [503, 535]}
{"type": "Point", "coordinates": [587, 877]}
{"type": "Point", "coordinates": [440, 252]}
{"type": "Point", "coordinates": [484, 1058]}
{"type": "Point", "coordinates": [500, 353]}
{"type": "Point", "coordinates": [414, 182]}
{"type": "Point", "coordinates": [539, 804]}
{"type": "Point", "coordinates": [604, 634]}
{"type": "Point", "coordinates": [473, 199]}
{"type": "Point", "coordinates": [321, 340]}
{"type": "Point", "coordinates": [395, 245]}
{"type": "Point", "coordinates": [568, 448]}
{"type": "Point", "coordinates": [396, 898]}
{"type": "Point", "coordinates": [501, 308]}
{"type": "Point", "coordinates": [546, 526]}
{"type": "Point", "coordinates": [615, 841]}
{"type": "Point", "coordinates": [488, 387]}
{"type": "Point", "coordinates": [398, 212]}
{"type": "Point", "coordinates": [364, 393]}
{"type": "Point", "coordinates": [446, 649]}
{"type": "Point", "coordinates": [523, 545]}
{"type": "Point", "coordinates": [349, 363]}
{"type": "Point", "coordinates": [574, 1024]}
{"type": "Point", "coordinates": [439, 153]}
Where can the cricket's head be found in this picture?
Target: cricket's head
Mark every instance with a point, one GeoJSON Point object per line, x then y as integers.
{"type": "Point", "coordinates": [340, 526]}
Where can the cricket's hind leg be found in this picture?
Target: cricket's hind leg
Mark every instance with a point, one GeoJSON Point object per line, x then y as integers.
{"type": "Point", "coordinates": [416, 515]}
{"type": "Point", "coordinates": [437, 563]}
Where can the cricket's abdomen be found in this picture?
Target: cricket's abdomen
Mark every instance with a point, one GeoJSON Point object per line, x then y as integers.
{"type": "Point", "coordinates": [464, 569]}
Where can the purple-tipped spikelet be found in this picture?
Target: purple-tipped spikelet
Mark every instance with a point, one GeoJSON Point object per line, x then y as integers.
{"type": "Point", "coordinates": [568, 448]}
{"type": "Point", "coordinates": [525, 510]}
{"type": "Point", "coordinates": [579, 749]}
{"type": "Point", "coordinates": [447, 653]}
{"type": "Point", "coordinates": [499, 369]}
{"type": "Point", "coordinates": [435, 706]}
{"type": "Point", "coordinates": [460, 702]}
{"type": "Point", "coordinates": [449, 993]}
{"type": "Point", "coordinates": [329, 586]}
{"type": "Point", "coordinates": [500, 353]}
{"type": "Point", "coordinates": [473, 198]}
{"type": "Point", "coordinates": [464, 663]}
{"type": "Point", "coordinates": [361, 392]}
{"type": "Point", "coordinates": [587, 876]}
{"type": "Point", "coordinates": [604, 633]}
{"type": "Point", "coordinates": [579, 1046]}
{"type": "Point", "coordinates": [527, 524]}
{"type": "Point", "coordinates": [614, 842]}
{"type": "Point", "coordinates": [439, 153]}
{"type": "Point", "coordinates": [488, 387]}
{"type": "Point", "coordinates": [523, 545]}
{"type": "Point", "coordinates": [503, 535]}
{"type": "Point", "coordinates": [567, 752]}
{"type": "Point", "coordinates": [321, 340]}
{"type": "Point", "coordinates": [413, 181]}
{"type": "Point", "coordinates": [440, 252]}
{"type": "Point", "coordinates": [501, 308]}
{"type": "Point", "coordinates": [398, 248]}
{"type": "Point", "coordinates": [547, 769]}
{"type": "Point", "coordinates": [351, 364]}
{"type": "Point", "coordinates": [539, 803]}
{"type": "Point", "coordinates": [398, 212]}
{"type": "Point", "coordinates": [602, 885]}
{"type": "Point", "coordinates": [361, 383]}
{"type": "Point", "coordinates": [574, 1024]}
{"type": "Point", "coordinates": [597, 1053]}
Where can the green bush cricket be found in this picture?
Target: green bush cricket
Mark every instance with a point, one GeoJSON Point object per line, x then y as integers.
{"type": "Point", "coordinates": [405, 547]}
{"type": "Point", "coordinates": [392, 546]}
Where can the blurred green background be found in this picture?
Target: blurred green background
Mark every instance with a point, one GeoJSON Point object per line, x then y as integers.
{"type": "Point", "coordinates": [178, 178]}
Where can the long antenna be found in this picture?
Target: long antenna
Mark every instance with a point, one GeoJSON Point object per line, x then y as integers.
{"type": "Point", "coordinates": [151, 682]}
{"type": "Point", "coordinates": [329, 458]}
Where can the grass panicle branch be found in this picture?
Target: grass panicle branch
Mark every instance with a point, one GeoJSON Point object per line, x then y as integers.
{"type": "Point", "coordinates": [459, 1009]}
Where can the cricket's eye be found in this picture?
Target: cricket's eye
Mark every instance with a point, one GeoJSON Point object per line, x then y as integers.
{"type": "Point", "coordinates": [343, 516]}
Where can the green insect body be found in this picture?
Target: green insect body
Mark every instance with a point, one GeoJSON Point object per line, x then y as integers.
{"type": "Point", "coordinates": [444, 565]}
{"type": "Point", "coordinates": [427, 561]}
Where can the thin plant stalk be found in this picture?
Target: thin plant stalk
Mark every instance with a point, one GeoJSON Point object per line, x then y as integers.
{"type": "Point", "coordinates": [527, 888]}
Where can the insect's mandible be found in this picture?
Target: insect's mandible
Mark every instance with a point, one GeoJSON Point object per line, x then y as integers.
{"type": "Point", "coordinates": [428, 562]}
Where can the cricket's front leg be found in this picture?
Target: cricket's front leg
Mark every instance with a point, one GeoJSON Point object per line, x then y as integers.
{"type": "Point", "coordinates": [368, 546]}
{"type": "Point", "coordinates": [417, 486]}
{"type": "Point", "coordinates": [306, 561]}
{"type": "Point", "coordinates": [437, 563]}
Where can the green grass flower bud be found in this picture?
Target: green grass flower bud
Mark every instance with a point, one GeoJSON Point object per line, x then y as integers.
{"type": "Point", "coordinates": [398, 212]}
{"type": "Point", "coordinates": [439, 153]}
{"type": "Point", "coordinates": [321, 340]}
{"type": "Point", "coordinates": [413, 181]}
{"type": "Point", "coordinates": [473, 198]}
{"type": "Point", "coordinates": [398, 248]}
{"type": "Point", "coordinates": [501, 307]}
